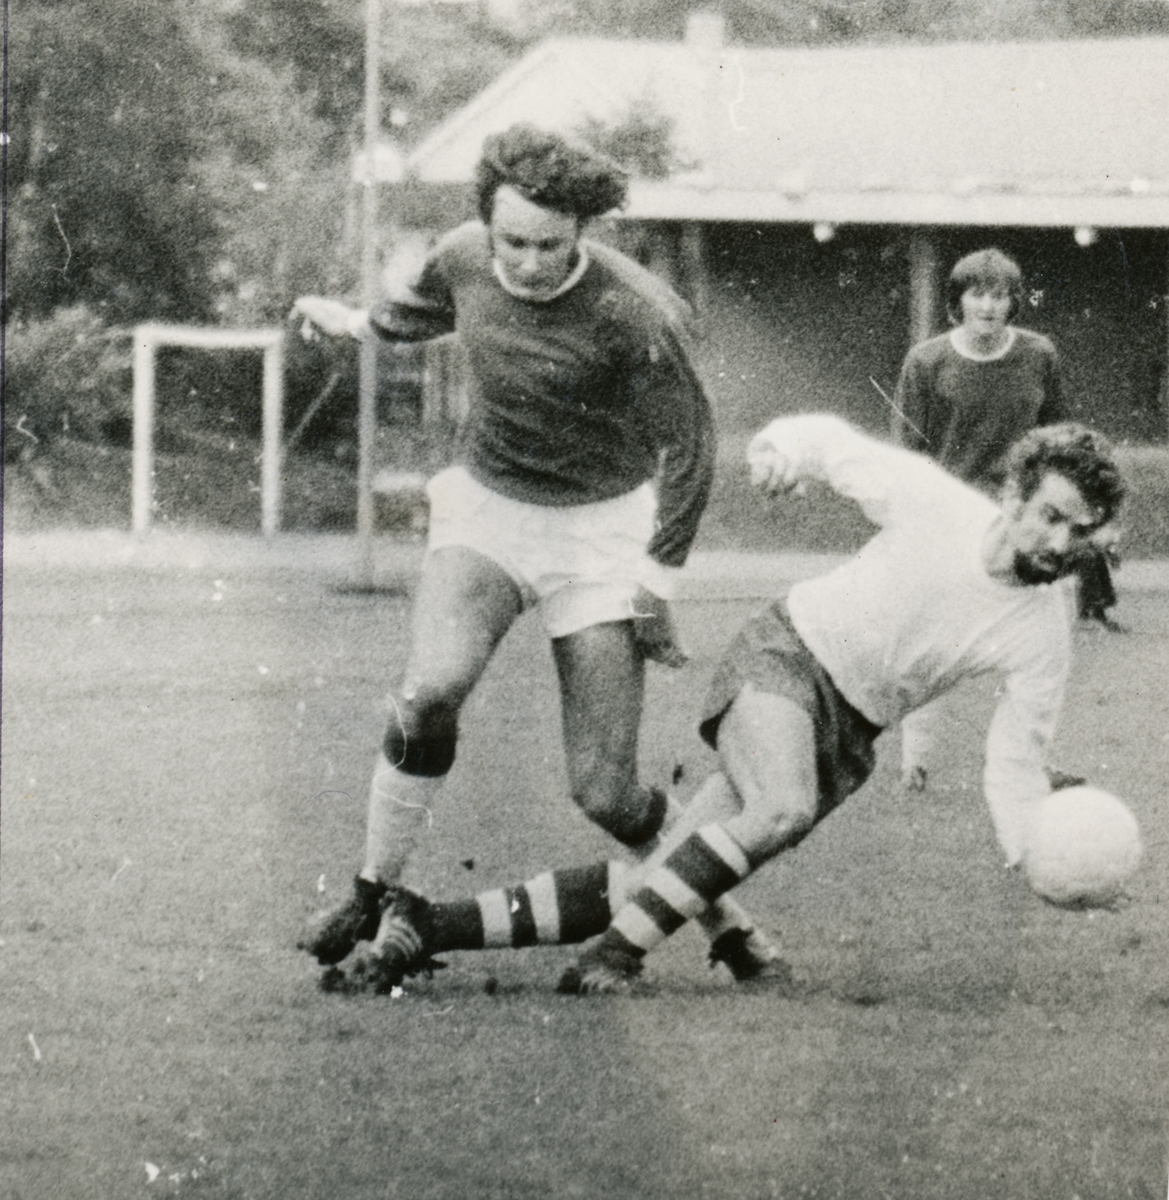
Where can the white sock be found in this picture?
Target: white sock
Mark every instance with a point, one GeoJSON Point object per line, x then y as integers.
{"type": "Point", "coordinates": [400, 806]}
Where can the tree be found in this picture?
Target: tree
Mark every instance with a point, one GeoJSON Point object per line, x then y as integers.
{"type": "Point", "coordinates": [642, 141]}
{"type": "Point", "coordinates": [102, 202]}
{"type": "Point", "coordinates": [177, 180]}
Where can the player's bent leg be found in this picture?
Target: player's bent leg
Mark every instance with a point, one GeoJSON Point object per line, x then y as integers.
{"type": "Point", "coordinates": [464, 605]}
{"type": "Point", "coordinates": [602, 676]}
{"type": "Point", "coordinates": [767, 749]}
{"type": "Point", "coordinates": [707, 864]}
{"type": "Point", "coordinates": [602, 684]}
{"type": "Point", "coordinates": [735, 940]}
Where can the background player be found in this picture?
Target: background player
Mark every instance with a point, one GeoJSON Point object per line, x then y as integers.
{"type": "Point", "coordinates": [583, 397]}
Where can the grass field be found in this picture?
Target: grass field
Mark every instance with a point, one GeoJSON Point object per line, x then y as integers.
{"type": "Point", "coordinates": [184, 755]}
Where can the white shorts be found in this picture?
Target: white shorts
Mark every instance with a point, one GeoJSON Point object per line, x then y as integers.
{"type": "Point", "coordinates": [582, 564]}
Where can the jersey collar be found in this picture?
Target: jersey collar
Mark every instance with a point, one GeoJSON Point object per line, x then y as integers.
{"type": "Point", "coordinates": [1001, 352]}
{"type": "Point", "coordinates": [520, 293]}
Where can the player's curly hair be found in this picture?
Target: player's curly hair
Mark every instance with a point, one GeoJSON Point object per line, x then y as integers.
{"type": "Point", "coordinates": [1081, 455]}
{"type": "Point", "coordinates": [548, 169]}
{"type": "Point", "coordinates": [988, 269]}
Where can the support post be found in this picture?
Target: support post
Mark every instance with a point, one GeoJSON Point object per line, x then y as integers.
{"type": "Point", "coordinates": [271, 456]}
{"type": "Point", "coordinates": [923, 285]}
{"type": "Point", "coordinates": [142, 491]}
{"type": "Point", "coordinates": [692, 250]}
{"type": "Point", "coordinates": [1165, 373]}
{"type": "Point", "coordinates": [367, 362]}
{"type": "Point", "coordinates": [923, 292]}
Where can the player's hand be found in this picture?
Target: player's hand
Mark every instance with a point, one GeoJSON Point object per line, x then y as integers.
{"type": "Point", "coordinates": [329, 316]}
{"type": "Point", "coordinates": [772, 470]}
{"type": "Point", "coordinates": [654, 630]}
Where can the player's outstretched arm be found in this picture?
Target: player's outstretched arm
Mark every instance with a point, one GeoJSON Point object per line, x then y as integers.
{"type": "Point", "coordinates": [809, 447]}
{"type": "Point", "coordinates": [331, 317]}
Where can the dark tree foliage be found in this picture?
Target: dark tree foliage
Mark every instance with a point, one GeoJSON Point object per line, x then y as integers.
{"type": "Point", "coordinates": [154, 173]}
{"type": "Point", "coordinates": [109, 111]}
{"type": "Point", "coordinates": [322, 41]}
{"type": "Point", "coordinates": [435, 59]}
{"type": "Point", "coordinates": [813, 22]}
{"type": "Point", "coordinates": [642, 142]}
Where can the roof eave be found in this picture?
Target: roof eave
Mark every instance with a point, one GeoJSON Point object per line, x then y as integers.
{"type": "Point", "coordinates": [666, 202]}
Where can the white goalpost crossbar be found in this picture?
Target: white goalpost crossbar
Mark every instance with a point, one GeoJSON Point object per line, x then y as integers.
{"type": "Point", "coordinates": [147, 338]}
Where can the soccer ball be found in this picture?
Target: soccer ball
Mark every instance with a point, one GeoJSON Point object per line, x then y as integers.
{"type": "Point", "coordinates": [1083, 846]}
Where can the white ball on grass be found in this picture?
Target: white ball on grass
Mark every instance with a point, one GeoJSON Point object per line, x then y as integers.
{"type": "Point", "coordinates": [1083, 846]}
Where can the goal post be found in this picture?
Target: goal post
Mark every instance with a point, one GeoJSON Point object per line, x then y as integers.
{"type": "Point", "coordinates": [270, 341]}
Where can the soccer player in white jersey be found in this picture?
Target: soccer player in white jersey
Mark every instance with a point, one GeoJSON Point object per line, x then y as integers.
{"type": "Point", "coordinates": [952, 585]}
{"type": "Point", "coordinates": [582, 470]}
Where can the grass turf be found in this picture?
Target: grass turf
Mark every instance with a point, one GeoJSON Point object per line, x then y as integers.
{"type": "Point", "coordinates": [185, 753]}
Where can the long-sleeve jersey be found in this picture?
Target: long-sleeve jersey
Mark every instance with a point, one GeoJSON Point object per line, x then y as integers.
{"type": "Point", "coordinates": [966, 412]}
{"type": "Point", "coordinates": [915, 611]}
{"type": "Point", "coordinates": [575, 399]}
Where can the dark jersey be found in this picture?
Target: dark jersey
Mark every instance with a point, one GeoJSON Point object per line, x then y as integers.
{"type": "Point", "coordinates": [577, 399]}
{"type": "Point", "coordinates": [966, 413]}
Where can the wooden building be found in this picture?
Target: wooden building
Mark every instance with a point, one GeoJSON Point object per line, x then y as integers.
{"type": "Point", "coordinates": [827, 191]}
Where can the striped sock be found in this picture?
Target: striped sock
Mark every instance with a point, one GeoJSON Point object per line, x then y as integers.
{"type": "Point", "coordinates": [554, 909]}
{"type": "Point", "coordinates": [707, 864]}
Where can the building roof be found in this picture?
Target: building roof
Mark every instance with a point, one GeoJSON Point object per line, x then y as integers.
{"type": "Point", "coordinates": [1058, 133]}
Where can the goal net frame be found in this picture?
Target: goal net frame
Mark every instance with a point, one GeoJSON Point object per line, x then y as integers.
{"type": "Point", "coordinates": [270, 341]}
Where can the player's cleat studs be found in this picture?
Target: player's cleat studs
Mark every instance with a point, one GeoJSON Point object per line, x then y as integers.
{"type": "Point", "coordinates": [402, 945]}
{"type": "Point", "coordinates": [333, 936]}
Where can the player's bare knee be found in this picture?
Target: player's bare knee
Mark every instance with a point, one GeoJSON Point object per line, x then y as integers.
{"type": "Point", "coordinates": [422, 735]}
{"type": "Point", "coordinates": [633, 816]}
{"type": "Point", "coordinates": [764, 836]}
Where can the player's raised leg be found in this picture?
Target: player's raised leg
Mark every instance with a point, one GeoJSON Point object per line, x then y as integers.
{"type": "Point", "coordinates": [465, 603]}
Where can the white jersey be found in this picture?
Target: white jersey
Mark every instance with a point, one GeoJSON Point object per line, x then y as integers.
{"type": "Point", "coordinates": [915, 611]}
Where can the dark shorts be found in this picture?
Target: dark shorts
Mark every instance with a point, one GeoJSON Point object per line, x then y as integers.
{"type": "Point", "coordinates": [768, 653]}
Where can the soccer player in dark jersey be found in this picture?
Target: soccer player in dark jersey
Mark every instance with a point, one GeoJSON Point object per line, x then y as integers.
{"type": "Point", "coordinates": [966, 396]}
{"type": "Point", "coordinates": [583, 467]}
